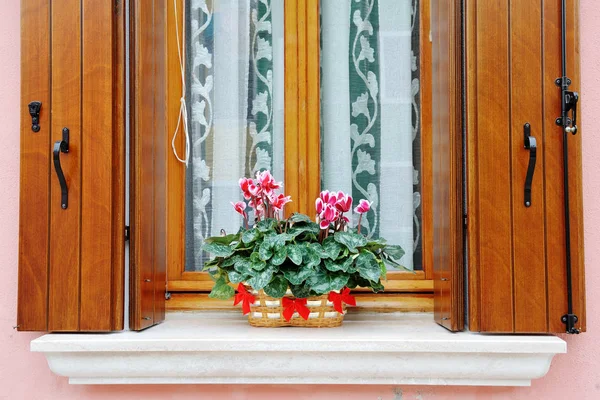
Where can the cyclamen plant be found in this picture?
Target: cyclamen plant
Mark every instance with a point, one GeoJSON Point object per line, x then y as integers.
{"type": "Point", "coordinates": [309, 258]}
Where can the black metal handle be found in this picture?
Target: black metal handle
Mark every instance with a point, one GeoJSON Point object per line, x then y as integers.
{"type": "Point", "coordinates": [61, 146]}
{"type": "Point", "coordinates": [531, 145]}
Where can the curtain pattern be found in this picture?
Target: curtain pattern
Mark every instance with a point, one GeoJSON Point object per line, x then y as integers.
{"type": "Point", "coordinates": [230, 89]}
{"type": "Point", "coordinates": [372, 148]}
{"type": "Point", "coordinates": [416, 119]}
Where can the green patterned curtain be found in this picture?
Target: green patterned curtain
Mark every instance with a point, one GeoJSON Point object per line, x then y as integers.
{"type": "Point", "coordinates": [370, 114]}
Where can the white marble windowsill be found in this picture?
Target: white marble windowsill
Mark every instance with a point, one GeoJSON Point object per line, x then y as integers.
{"type": "Point", "coordinates": [367, 349]}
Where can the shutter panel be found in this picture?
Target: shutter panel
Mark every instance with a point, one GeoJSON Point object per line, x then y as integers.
{"type": "Point", "coordinates": [148, 163]}
{"type": "Point", "coordinates": [517, 278]}
{"type": "Point", "coordinates": [448, 273]}
{"type": "Point", "coordinates": [71, 256]}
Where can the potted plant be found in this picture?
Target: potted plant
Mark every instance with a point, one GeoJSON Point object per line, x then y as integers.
{"type": "Point", "coordinates": [296, 271]}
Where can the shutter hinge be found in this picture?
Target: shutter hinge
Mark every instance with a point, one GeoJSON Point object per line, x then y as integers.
{"type": "Point", "coordinates": [465, 221]}
{"type": "Point", "coordinates": [126, 233]}
{"type": "Point", "coordinates": [167, 295]}
{"type": "Point", "coordinates": [117, 7]}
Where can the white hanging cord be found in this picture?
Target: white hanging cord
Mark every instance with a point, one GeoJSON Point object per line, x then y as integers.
{"type": "Point", "coordinates": [183, 106]}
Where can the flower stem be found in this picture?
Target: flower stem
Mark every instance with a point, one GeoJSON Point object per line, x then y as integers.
{"type": "Point", "coordinates": [359, 219]}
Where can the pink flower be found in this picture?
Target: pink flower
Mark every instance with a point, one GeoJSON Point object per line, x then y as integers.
{"type": "Point", "coordinates": [328, 197]}
{"type": "Point", "coordinates": [240, 207]}
{"type": "Point", "coordinates": [244, 184]}
{"type": "Point", "coordinates": [280, 201]}
{"type": "Point", "coordinates": [266, 182]}
{"type": "Point", "coordinates": [344, 202]}
{"type": "Point", "coordinates": [319, 205]}
{"type": "Point", "coordinates": [363, 206]}
{"type": "Point", "coordinates": [254, 190]}
{"type": "Point", "coordinates": [324, 224]}
{"type": "Point", "coordinates": [329, 213]}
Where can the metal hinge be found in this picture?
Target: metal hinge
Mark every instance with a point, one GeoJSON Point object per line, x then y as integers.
{"type": "Point", "coordinates": [118, 7]}
{"type": "Point", "coordinates": [465, 220]}
{"type": "Point", "coordinates": [167, 295]}
{"type": "Point", "coordinates": [126, 233]}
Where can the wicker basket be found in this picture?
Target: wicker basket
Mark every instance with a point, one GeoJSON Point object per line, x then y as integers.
{"type": "Point", "coordinates": [268, 312]}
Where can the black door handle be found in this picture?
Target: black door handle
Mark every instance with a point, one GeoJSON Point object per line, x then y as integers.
{"type": "Point", "coordinates": [531, 145]}
{"type": "Point", "coordinates": [61, 146]}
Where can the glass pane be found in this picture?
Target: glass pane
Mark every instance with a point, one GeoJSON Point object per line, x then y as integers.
{"type": "Point", "coordinates": [370, 114]}
{"type": "Point", "coordinates": [234, 54]}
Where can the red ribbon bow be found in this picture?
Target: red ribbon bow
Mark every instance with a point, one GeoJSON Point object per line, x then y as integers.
{"type": "Point", "coordinates": [338, 298]}
{"type": "Point", "coordinates": [245, 297]}
{"type": "Point", "coordinates": [290, 306]}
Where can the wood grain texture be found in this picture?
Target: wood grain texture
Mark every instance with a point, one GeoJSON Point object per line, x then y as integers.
{"type": "Point", "coordinates": [447, 167]}
{"type": "Point", "coordinates": [65, 239]}
{"type": "Point", "coordinates": [553, 147]}
{"type": "Point", "coordinates": [528, 228]}
{"type": "Point", "coordinates": [97, 163]}
{"type": "Point", "coordinates": [79, 281]}
{"type": "Point", "coordinates": [364, 302]}
{"type": "Point", "coordinates": [32, 310]}
{"type": "Point", "coordinates": [517, 254]}
{"type": "Point", "coordinates": [426, 139]}
{"type": "Point", "coordinates": [148, 163]}
{"type": "Point", "coordinates": [175, 169]}
{"type": "Point", "coordinates": [302, 105]}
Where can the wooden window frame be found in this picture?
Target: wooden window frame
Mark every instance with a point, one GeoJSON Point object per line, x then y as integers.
{"type": "Point", "coordinates": [405, 291]}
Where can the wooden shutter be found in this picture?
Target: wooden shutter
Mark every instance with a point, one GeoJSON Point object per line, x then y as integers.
{"type": "Point", "coordinates": [517, 279]}
{"type": "Point", "coordinates": [148, 162]}
{"type": "Point", "coordinates": [448, 283]}
{"type": "Point", "coordinates": [71, 258]}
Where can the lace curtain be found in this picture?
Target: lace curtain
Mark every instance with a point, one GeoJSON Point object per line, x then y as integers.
{"type": "Point", "coordinates": [370, 111]}
{"type": "Point", "coordinates": [370, 115]}
{"type": "Point", "coordinates": [235, 99]}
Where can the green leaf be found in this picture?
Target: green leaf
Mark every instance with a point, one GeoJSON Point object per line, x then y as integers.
{"type": "Point", "coordinates": [340, 265]}
{"type": "Point", "coordinates": [294, 252]}
{"type": "Point", "coordinates": [296, 277]}
{"type": "Point", "coordinates": [297, 217]}
{"type": "Point", "coordinates": [266, 225]}
{"type": "Point", "coordinates": [277, 240]}
{"type": "Point", "coordinates": [265, 251]}
{"type": "Point", "coordinates": [331, 248]}
{"type": "Point", "coordinates": [338, 281]}
{"type": "Point", "coordinates": [218, 249]}
{"type": "Point", "coordinates": [262, 278]}
{"type": "Point", "coordinates": [367, 266]}
{"type": "Point", "coordinates": [250, 236]}
{"type": "Point", "coordinates": [236, 277]}
{"type": "Point", "coordinates": [386, 259]}
{"type": "Point", "coordinates": [277, 287]}
{"type": "Point", "coordinates": [244, 266]}
{"type": "Point", "coordinates": [318, 249]}
{"type": "Point", "coordinates": [322, 282]}
{"type": "Point", "coordinates": [227, 239]}
{"type": "Point", "coordinates": [308, 228]}
{"type": "Point", "coordinates": [300, 291]}
{"type": "Point", "coordinates": [221, 290]}
{"type": "Point", "coordinates": [376, 244]}
{"type": "Point", "coordinates": [350, 240]}
{"type": "Point", "coordinates": [256, 263]}
{"type": "Point", "coordinates": [229, 261]}
{"type": "Point", "coordinates": [394, 251]}
{"type": "Point", "coordinates": [279, 256]}
{"type": "Point", "coordinates": [377, 286]}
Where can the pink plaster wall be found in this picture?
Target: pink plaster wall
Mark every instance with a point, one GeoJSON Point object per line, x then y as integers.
{"type": "Point", "coordinates": [24, 375]}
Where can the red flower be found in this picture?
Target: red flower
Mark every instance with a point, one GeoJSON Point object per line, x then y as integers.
{"type": "Point", "coordinates": [344, 202]}
{"type": "Point", "coordinates": [245, 297]}
{"type": "Point", "coordinates": [338, 298]}
{"type": "Point", "coordinates": [363, 206]}
{"type": "Point", "coordinates": [291, 306]}
{"type": "Point", "coordinates": [240, 208]}
{"type": "Point", "coordinates": [278, 202]}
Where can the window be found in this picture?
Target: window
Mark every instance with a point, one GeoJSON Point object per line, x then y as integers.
{"type": "Point", "coordinates": [230, 139]}
{"type": "Point", "coordinates": [488, 70]}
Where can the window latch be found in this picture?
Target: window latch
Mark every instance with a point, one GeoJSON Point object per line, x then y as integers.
{"type": "Point", "coordinates": [531, 145]}
{"type": "Point", "coordinates": [34, 110]}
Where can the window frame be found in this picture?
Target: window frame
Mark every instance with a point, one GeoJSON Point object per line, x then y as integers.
{"type": "Point", "coordinates": [404, 291]}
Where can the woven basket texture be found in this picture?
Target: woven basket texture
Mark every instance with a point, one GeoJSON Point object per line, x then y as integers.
{"type": "Point", "coordinates": [267, 312]}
